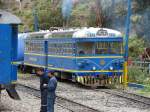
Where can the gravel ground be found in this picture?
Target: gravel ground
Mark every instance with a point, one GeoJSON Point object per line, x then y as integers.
{"type": "Point", "coordinates": [28, 103]}
{"type": "Point", "coordinates": [95, 99]}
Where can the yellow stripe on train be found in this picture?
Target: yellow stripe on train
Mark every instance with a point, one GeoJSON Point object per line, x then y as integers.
{"type": "Point", "coordinates": [69, 70]}
{"type": "Point", "coordinates": [78, 57]}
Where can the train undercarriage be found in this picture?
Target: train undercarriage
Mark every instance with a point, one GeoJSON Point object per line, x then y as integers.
{"type": "Point", "coordinates": [85, 80]}
{"type": "Point", "coordinates": [100, 80]}
{"type": "Point", "coordinates": [92, 81]}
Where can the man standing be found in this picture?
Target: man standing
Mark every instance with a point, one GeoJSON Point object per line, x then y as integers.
{"type": "Point", "coordinates": [43, 80]}
{"type": "Point", "coordinates": [51, 94]}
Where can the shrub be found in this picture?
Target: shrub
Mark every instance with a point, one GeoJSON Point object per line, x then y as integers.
{"type": "Point", "coordinates": [136, 75]}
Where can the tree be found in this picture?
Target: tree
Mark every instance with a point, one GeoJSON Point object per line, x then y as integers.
{"type": "Point", "coordinates": [96, 17]}
{"type": "Point", "coordinates": [0, 2]}
{"type": "Point", "coordinates": [136, 46]}
{"type": "Point", "coordinates": [48, 15]}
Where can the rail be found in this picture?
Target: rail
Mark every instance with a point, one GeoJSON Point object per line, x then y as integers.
{"type": "Point", "coordinates": [130, 96]}
{"type": "Point", "coordinates": [63, 102]}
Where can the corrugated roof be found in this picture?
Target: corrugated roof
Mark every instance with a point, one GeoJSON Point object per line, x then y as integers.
{"type": "Point", "coordinates": [8, 18]}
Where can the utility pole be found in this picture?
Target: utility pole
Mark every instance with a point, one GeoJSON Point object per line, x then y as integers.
{"type": "Point", "coordinates": [113, 12]}
{"type": "Point", "coordinates": [126, 44]}
{"type": "Point", "coordinates": [36, 22]}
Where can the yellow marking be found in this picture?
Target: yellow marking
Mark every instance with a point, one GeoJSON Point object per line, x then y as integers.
{"type": "Point", "coordinates": [82, 80]}
{"type": "Point", "coordinates": [34, 65]}
{"type": "Point", "coordinates": [85, 56]}
{"type": "Point", "coordinates": [120, 78]}
{"type": "Point", "coordinates": [69, 70]}
{"type": "Point", "coordinates": [125, 74]}
{"type": "Point", "coordinates": [57, 56]}
{"type": "Point", "coordinates": [85, 78]}
{"type": "Point", "coordinates": [50, 65]}
{"type": "Point", "coordinates": [78, 79]}
{"type": "Point", "coordinates": [82, 71]}
{"type": "Point", "coordinates": [102, 62]}
{"type": "Point", "coordinates": [78, 57]}
{"type": "Point", "coordinates": [121, 49]}
{"type": "Point", "coordinates": [35, 54]}
{"type": "Point", "coordinates": [15, 63]}
{"type": "Point", "coordinates": [109, 79]}
{"type": "Point", "coordinates": [14, 82]}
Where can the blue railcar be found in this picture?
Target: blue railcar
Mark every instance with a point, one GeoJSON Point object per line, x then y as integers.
{"type": "Point", "coordinates": [8, 52]}
{"type": "Point", "coordinates": [92, 56]}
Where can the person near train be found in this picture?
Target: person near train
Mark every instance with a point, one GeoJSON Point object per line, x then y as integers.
{"type": "Point", "coordinates": [44, 79]}
{"type": "Point", "coordinates": [51, 91]}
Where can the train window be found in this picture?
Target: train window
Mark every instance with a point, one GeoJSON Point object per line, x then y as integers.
{"type": "Point", "coordinates": [86, 48]}
{"type": "Point", "coordinates": [36, 46]}
{"type": "Point", "coordinates": [109, 48]}
{"type": "Point", "coordinates": [60, 48]}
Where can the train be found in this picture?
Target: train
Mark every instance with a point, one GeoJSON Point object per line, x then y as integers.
{"type": "Point", "coordinates": [8, 53]}
{"type": "Point", "coordinates": [89, 56]}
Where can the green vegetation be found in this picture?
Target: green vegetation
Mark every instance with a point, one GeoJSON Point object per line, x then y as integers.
{"type": "Point", "coordinates": [49, 13]}
{"type": "Point", "coordinates": [136, 75]}
{"type": "Point", "coordinates": [145, 91]}
{"type": "Point", "coordinates": [90, 13]}
{"type": "Point", "coordinates": [136, 46]}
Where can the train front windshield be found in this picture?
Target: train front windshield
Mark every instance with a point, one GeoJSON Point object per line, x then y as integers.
{"type": "Point", "coordinates": [109, 48]}
{"type": "Point", "coordinates": [100, 48]}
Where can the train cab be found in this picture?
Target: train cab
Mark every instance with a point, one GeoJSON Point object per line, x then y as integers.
{"type": "Point", "coordinates": [100, 55]}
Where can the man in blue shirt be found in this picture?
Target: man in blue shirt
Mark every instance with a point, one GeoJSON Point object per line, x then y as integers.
{"type": "Point", "coordinates": [43, 80]}
{"type": "Point", "coordinates": [51, 94]}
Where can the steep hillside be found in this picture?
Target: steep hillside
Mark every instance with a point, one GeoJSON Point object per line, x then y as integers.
{"type": "Point", "coordinates": [140, 20]}
{"type": "Point", "coordinates": [84, 13]}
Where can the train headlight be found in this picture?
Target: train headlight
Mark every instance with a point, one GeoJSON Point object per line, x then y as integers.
{"type": "Point", "coordinates": [94, 68]}
{"type": "Point", "coordinates": [111, 68]}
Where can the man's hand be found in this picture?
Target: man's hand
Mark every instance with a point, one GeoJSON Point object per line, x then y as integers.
{"type": "Point", "coordinates": [44, 85]}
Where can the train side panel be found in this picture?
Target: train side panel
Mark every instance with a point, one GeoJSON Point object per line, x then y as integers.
{"type": "Point", "coordinates": [62, 63]}
{"type": "Point", "coordinates": [5, 54]}
{"type": "Point", "coordinates": [35, 60]}
{"type": "Point", "coordinates": [35, 54]}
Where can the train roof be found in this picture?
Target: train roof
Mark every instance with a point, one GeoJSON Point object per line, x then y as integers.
{"type": "Point", "coordinates": [30, 35]}
{"type": "Point", "coordinates": [85, 33]}
{"type": "Point", "coordinates": [8, 18]}
{"type": "Point", "coordinates": [77, 33]}
{"type": "Point", "coordinates": [97, 33]}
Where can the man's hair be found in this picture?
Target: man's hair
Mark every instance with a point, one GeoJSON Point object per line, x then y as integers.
{"type": "Point", "coordinates": [39, 69]}
{"type": "Point", "coordinates": [52, 72]}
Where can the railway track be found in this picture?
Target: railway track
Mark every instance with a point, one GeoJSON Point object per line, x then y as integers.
{"type": "Point", "coordinates": [130, 96]}
{"type": "Point", "coordinates": [63, 102]}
